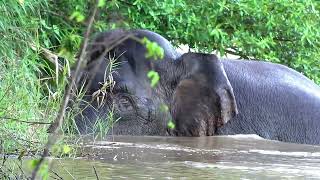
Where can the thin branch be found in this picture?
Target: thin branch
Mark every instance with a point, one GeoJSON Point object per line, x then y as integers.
{"type": "Point", "coordinates": [66, 170]}
{"type": "Point", "coordinates": [284, 40]}
{"type": "Point", "coordinates": [49, 55]}
{"type": "Point", "coordinates": [96, 65]}
{"type": "Point", "coordinates": [60, 117]}
{"type": "Point", "coordinates": [232, 52]}
{"type": "Point", "coordinates": [22, 121]}
{"type": "Point", "coordinates": [65, 18]}
{"type": "Point", "coordinates": [125, 2]}
{"type": "Point", "coordinates": [5, 93]}
{"type": "Point", "coordinates": [237, 54]}
{"type": "Point", "coordinates": [14, 136]}
{"type": "Point", "coordinates": [20, 168]}
{"type": "Point", "coordinates": [56, 174]}
{"type": "Point", "coordinates": [95, 172]}
{"type": "Point", "coordinates": [114, 44]}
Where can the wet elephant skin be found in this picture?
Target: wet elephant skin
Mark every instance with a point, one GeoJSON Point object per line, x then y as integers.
{"type": "Point", "coordinates": [205, 95]}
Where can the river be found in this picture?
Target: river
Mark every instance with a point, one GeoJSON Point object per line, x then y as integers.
{"type": "Point", "coordinates": [218, 157]}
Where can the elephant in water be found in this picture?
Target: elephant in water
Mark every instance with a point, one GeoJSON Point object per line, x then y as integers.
{"type": "Point", "coordinates": [204, 95]}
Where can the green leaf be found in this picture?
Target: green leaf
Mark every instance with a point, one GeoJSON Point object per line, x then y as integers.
{"type": "Point", "coordinates": [101, 3]}
{"type": "Point", "coordinates": [78, 16]}
{"type": "Point", "coordinates": [66, 149]}
{"type": "Point", "coordinates": [154, 77]}
{"type": "Point", "coordinates": [56, 30]}
{"type": "Point", "coordinates": [164, 108]}
{"type": "Point", "coordinates": [33, 163]}
{"type": "Point", "coordinates": [153, 49]}
{"type": "Point", "coordinates": [171, 125]}
{"type": "Point", "coordinates": [44, 171]}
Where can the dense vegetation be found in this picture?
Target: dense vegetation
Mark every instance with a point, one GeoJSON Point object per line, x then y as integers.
{"type": "Point", "coordinates": [32, 81]}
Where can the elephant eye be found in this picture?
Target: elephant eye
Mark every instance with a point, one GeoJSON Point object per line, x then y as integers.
{"type": "Point", "coordinates": [125, 103]}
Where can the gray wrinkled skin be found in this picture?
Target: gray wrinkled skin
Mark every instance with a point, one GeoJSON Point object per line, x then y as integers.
{"type": "Point", "coordinates": [131, 99]}
{"type": "Point", "coordinates": [205, 96]}
{"type": "Point", "coordinates": [274, 102]}
{"type": "Point", "coordinates": [139, 106]}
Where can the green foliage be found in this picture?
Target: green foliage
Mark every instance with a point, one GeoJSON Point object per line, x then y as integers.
{"type": "Point", "coordinates": [154, 51]}
{"type": "Point", "coordinates": [62, 149]}
{"type": "Point", "coordinates": [282, 31]}
{"type": "Point", "coordinates": [101, 3]}
{"type": "Point", "coordinates": [21, 89]}
{"type": "Point", "coordinates": [78, 16]}
{"type": "Point", "coordinates": [164, 108]}
{"type": "Point", "coordinates": [44, 168]}
{"type": "Point", "coordinates": [171, 125]}
{"type": "Point", "coordinates": [154, 77]}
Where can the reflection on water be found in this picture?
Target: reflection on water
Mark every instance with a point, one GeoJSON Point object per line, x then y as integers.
{"type": "Point", "coordinates": [225, 157]}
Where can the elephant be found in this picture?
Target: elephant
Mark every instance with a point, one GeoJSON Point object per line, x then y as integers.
{"type": "Point", "coordinates": [274, 102]}
{"type": "Point", "coordinates": [200, 94]}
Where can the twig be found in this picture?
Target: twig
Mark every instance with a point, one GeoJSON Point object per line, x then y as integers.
{"type": "Point", "coordinates": [60, 117]}
{"type": "Point", "coordinates": [14, 136]}
{"type": "Point", "coordinates": [125, 2]}
{"type": "Point", "coordinates": [65, 18]}
{"type": "Point", "coordinates": [53, 177]}
{"type": "Point", "coordinates": [22, 121]}
{"type": "Point", "coordinates": [98, 61]}
{"type": "Point", "coordinates": [20, 168]}
{"type": "Point", "coordinates": [56, 174]}
{"type": "Point", "coordinates": [95, 172]}
{"type": "Point", "coordinates": [114, 44]}
{"type": "Point", "coordinates": [66, 170]}
{"type": "Point", "coordinates": [50, 56]}
{"type": "Point", "coordinates": [5, 93]}
{"type": "Point", "coordinates": [237, 54]}
{"type": "Point", "coordinates": [4, 159]}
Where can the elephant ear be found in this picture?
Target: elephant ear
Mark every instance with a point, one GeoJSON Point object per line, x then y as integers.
{"type": "Point", "coordinates": [203, 99]}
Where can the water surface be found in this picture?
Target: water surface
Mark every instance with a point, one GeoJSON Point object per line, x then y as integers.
{"type": "Point", "coordinates": [219, 157]}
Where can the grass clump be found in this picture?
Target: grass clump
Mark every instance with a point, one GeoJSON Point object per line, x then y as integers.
{"type": "Point", "coordinates": [36, 53]}
{"type": "Point", "coordinates": [22, 99]}
{"type": "Point", "coordinates": [37, 50]}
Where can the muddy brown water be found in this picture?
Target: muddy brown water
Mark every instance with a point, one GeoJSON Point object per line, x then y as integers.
{"type": "Point", "coordinates": [219, 157]}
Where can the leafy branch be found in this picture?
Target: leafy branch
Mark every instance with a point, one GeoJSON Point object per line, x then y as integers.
{"type": "Point", "coordinates": [60, 117]}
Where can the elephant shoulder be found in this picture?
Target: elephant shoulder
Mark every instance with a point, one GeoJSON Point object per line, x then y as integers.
{"type": "Point", "coordinates": [277, 72]}
{"type": "Point", "coordinates": [270, 75]}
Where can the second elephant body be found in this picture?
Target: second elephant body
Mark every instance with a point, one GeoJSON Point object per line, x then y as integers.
{"type": "Point", "coordinates": [274, 102]}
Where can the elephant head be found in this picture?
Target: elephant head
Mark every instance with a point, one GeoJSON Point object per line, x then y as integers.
{"type": "Point", "coordinates": [193, 86]}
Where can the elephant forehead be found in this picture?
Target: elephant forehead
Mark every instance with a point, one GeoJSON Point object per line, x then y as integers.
{"type": "Point", "coordinates": [169, 51]}
{"type": "Point", "coordinates": [134, 84]}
